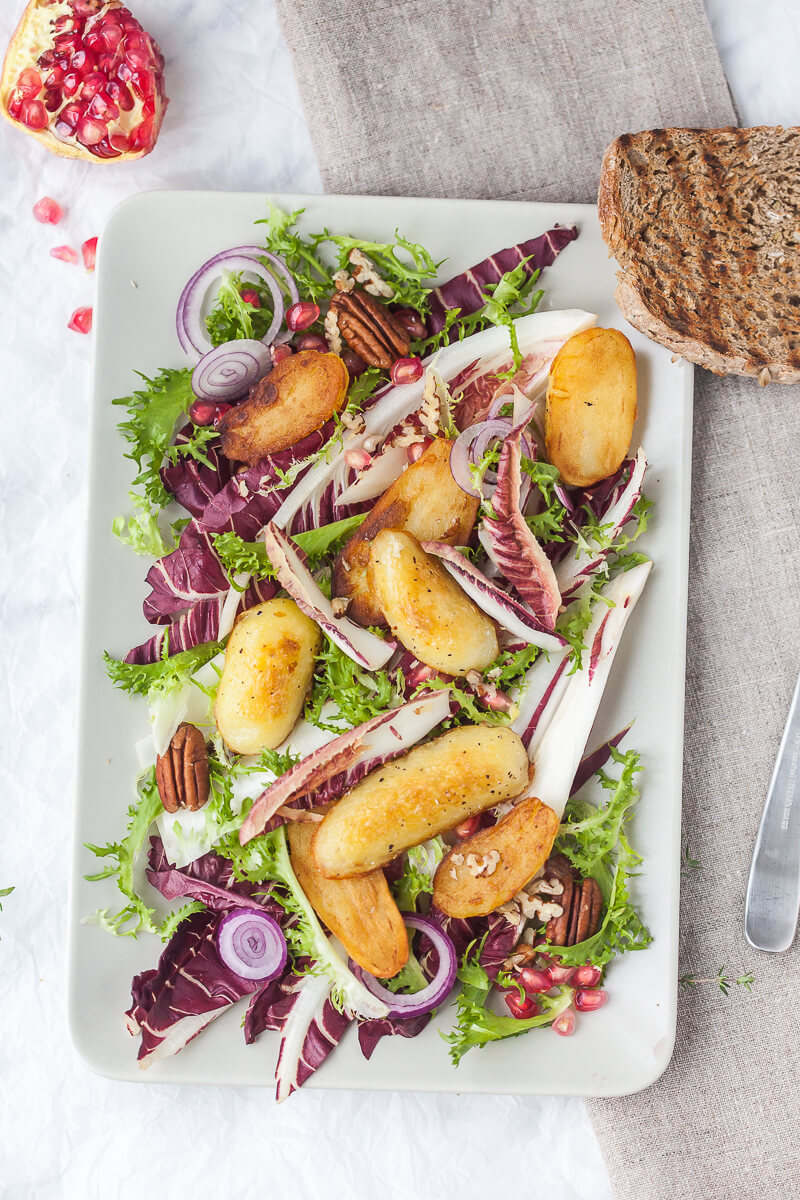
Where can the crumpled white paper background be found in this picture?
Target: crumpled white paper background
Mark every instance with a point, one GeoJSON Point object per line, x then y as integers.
{"type": "Point", "coordinates": [235, 123]}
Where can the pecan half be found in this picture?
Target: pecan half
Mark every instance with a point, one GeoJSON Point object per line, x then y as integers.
{"type": "Point", "coordinates": [182, 773]}
{"type": "Point", "coordinates": [582, 902]}
{"type": "Point", "coordinates": [369, 328]}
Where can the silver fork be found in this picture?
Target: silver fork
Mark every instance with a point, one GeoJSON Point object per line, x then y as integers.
{"type": "Point", "coordinates": [773, 889]}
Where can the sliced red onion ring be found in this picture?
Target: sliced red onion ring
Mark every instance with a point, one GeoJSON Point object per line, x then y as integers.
{"type": "Point", "coordinates": [439, 988]}
{"type": "Point", "coordinates": [469, 448]}
{"type": "Point", "coordinates": [189, 321]}
{"type": "Point", "coordinates": [251, 944]}
{"type": "Point", "coordinates": [230, 370]}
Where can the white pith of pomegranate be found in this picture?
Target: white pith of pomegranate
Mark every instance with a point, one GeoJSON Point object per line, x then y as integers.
{"type": "Point", "coordinates": [87, 78]}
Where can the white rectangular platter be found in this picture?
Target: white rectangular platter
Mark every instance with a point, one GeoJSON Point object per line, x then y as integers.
{"type": "Point", "coordinates": [151, 246]}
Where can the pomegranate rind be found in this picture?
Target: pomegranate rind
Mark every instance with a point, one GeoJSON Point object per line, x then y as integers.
{"type": "Point", "coordinates": [30, 39]}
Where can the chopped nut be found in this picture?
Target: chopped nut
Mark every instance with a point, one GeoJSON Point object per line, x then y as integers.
{"type": "Point", "coordinates": [339, 605]}
{"type": "Point", "coordinates": [343, 282]}
{"type": "Point", "coordinates": [367, 274]}
{"type": "Point", "coordinates": [457, 859]}
{"type": "Point", "coordinates": [332, 335]}
{"type": "Point", "coordinates": [354, 422]}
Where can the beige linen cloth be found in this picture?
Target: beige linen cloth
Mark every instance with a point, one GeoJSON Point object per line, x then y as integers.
{"type": "Point", "coordinates": [517, 99]}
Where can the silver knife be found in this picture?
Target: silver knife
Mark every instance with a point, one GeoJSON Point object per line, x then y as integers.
{"type": "Point", "coordinates": [773, 890]}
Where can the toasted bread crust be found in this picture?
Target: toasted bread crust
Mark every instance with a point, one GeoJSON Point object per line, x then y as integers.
{"type": "Point", "coordinates": [705, 225]}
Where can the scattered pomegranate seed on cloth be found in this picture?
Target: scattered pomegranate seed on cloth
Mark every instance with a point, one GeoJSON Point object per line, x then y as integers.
{"type": "Point", "coordinates": [65, 254]}
{"type": "Point", "coordinates": [81, 320]}
{"type": "Point", "coordinates": [47, 211]}
{"type": "Point", "coordinates": [89, 252]}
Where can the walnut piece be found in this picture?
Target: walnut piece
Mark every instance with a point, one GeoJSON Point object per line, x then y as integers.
{"type": "Point", "coordinates": [182, 773]}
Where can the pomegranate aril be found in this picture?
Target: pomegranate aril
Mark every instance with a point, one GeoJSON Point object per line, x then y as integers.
{"type": "Point", "coordinates": [138, 58]}
{"type": "Point", "coordinates": [55, 78]}
{"type": "Point", "coordinates": [414, 453]}
{"type": "Point", "coordinates": [311, 341]}
{"type": "Point", "coordinates": [34, 114]}
{"type": "Point", "coordinates": [535, 981]}
{"type": "Point", "coordinates": [120, 142]}
{"type": "Point", "coordinates": [120, 94]}
{"type": "Point", "coordinates": [29, 84]}
{"type": "Point", "coordinates": [90, 132]}
{"type": "Point", "coordinates": [47, 211]}
{"type": "Point", "coordinates": [590, 999]}
{"type": "Point", "coordinates": [468, 827]}
{"type": "Point", "coordinates": [67, 43]}
{"type": "Point", "coordinates": [357, 459]}
{"type": "Point", "coordinates": [251, 297]}
{"type": "Point", "coordinates": [411, 321]}
{"type": "Point", "coordinates": [202, 412]}
{"type": "Point", "coordinates": [407, 370]}
{"type": "Point", "coordinates": [279, 353]}
{"type": "Point", "coordinates": [65, 254]}
{"type": "Point", "coordinates": [110, 34]}
{"type": "Point", "coordinates": [83, 63]}
{"type": "Point", "coordinates": [219, 412]}
{"type": "Point", "coordinates": [354, 363]}
{"type": "Point", "coordinates": [48, 59]}
{"type": "Point", "coordinates": [564, 1023]}
{"type": "Point", "coordinates": [106, 63]}
{"type": "Point", "coordinates": [519, 1007]}
{"type": "Point", "coordinates": [72, 82]}
{"type": "Point", "coordinates": [559, 974]}
{"type": "Point", "coordinates": [81, 320]}
{"type": "Point", "coordinates": [52, 99]}
{"type": "Point", "coordinates": [15, 106]}
{"type": "Point", "coordinates": [67, 119]}
{"type": "Point", "coordinates": [92, 84]}
{"type": "Point", "coordinates": [102, 109]}
{"type": "Point", "coordinates": [587, 976]}
{"type": "Point", "coordinates": [301, 315]}
{"type": "Point", "coordinates": [124, 72]}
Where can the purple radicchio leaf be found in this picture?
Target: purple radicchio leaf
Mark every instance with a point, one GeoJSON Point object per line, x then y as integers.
{"type": "Point", "coordinates": [209, 879]}
{"type": "Point", "coordinates": [514, 548]}
{"type": "Point", "coordinates": [310, 1026]}
{"type": "Point", "coordinates": [371, 1032]}
{"type": "Point", "coordinates": [500, 934]}
{"type": "Point", "coordinates": [194, 483]}
{"type": "Point", "coordinates": [188, 990]}
{"type": "Point", "coordinates": [198, 624]}
{"type": "Point", "coordinates": [595, 761]}
{"type": "Point", "coordinates": [466, 291]}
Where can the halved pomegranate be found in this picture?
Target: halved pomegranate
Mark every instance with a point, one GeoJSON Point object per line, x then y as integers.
{"type": "Point", "coordinates": [84, 78]}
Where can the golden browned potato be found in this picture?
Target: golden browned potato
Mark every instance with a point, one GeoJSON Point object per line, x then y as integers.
{"type": "Point", "coordinates": [591, 405]}
{"type": "Point", "coordinates": [269, 661]}
{"type": "Point", "coordinates": [426, 501]}
{"type": "Point", "coordinates": [427, 791]}
{"type": "Point", "coordinates": [360, 912]}
{"type": "Point", "coordinates": [298, 396]}
{"type": "Point", "coordinates": [426, 609]}
{"type": "Point", "coordinates": [490, 867]}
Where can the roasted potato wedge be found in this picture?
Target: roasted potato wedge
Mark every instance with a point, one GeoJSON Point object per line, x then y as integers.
{"type": "Point", "coordinates": [426, 501]}
{"type": "Point", "coordinates": [428, 790]}
{"type": "Point", "coordinates": [269, 662]}
{"type": "Point", "coordinates": [507, 856]}
{"type": "Point", "coordinates": [298, 396]}
{"type": "Point", "coordinates": [426, 609]}
{"type": "Point", "coordinates": [591, 405]}
{"type": "Point", "coordinates": [360, 912]}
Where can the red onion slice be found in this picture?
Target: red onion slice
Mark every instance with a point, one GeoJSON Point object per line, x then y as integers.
{"type": "Point", "coordinates": [229, 371]}
{"type": "Point", "coordinates": [470, 446]}
{"type": "Point", "coordinates": [251, 944]}
{"type": "Point", "coordinates": [439, 988]}
{"type": "Point", "coordinates": [189, 321]}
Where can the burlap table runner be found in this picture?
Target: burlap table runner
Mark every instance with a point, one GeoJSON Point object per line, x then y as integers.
{"type": "Point", "coordinates": [516, 99]}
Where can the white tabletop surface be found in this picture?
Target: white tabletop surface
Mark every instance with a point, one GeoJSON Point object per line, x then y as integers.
{"type": "Point", "coordinates": [235, 123]}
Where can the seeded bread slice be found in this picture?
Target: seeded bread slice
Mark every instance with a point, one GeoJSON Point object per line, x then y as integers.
{"type": "Point", "coordinates": [705, 226]}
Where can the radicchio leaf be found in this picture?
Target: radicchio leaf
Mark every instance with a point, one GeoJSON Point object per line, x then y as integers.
{"type": "Point", "coordinates": [199, 624]}
{"type": "Point", "coordinates": [371, 1032]}
{"type": "Point", "coordinates": [194, 483]}
{"type": "Point", "coordinates": [497, 933]}
{"type": "Point", "coordinates": [514, 548]}
{"type": "Point", "coordinates": [209, 879]}
{"type": "Point", "coordinates": [311, 1027]}
{"type": "Point", "coordinates": [466, 291]}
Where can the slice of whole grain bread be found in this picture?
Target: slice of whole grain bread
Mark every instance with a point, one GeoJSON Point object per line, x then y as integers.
{"type": "Point", "coordinates": [705, 225]}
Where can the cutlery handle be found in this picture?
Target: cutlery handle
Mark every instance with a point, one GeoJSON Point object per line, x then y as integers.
{"type": "Point", "coordinates": [773, 890]}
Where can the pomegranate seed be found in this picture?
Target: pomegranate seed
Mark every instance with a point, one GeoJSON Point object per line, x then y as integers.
{"type": "Point", "coordinates": [219, 412]}
{"type": "Point", "coordinates": [29, 84]}
{"type": "Point", "coordinates": [279, 353]}
{"type": "Point", "coordinates": [67, 43]}
{"type": "Point", "coordinates": [92, 85]}
{"type": "Point", "coordinates": [468, 827]}
{"type": "Point", "coordinates": [67, 120]}
{"type": "Point", "coordinates": [120, 94]}
{"type": "Point", "coordinates": [71, 83]}
{"type": "Point", "coordinates": [137, 58]}
{"type": "Point", "coordinates": [301, 315]}
{"type": "Point", "coordinates": [47, 211]}
{"type": "Point", "coordinates": [311, 341]}
{"type": "Point", "coordinates": [102, 109]}
{"type": "Point", "coordinates": [411, 321]}
{"type": "Point", "coordinates": [420, 674]}
{"type": "Point", "coordinates": [203, 412]}
{"type": "Point", "coordinates": [34, 114]}
{"type": "Point", "coordinates": [48, 59]}
{"type": "Point", "coordinates": [407, 370]}
{"type": "Point", "coordinates": [587, 976]}
{"type": "Point", "coordinates": [81, 320]}
{"type": "Point", "coordinates": [354, 363]}
{"type": "Point", "coordinates": [90, 132]}
{"type": "Point", "coordinates": [89, 252]}
{"type": "Point", "coordinates": [55, 77]}
{"type": "Point", "coordinates": [110, 34]}
{"type": "Point", "coordinates": [559, 974]}
{"type": "Point", "coordinates": [590, 999]}
{"type": "Point", "coordinates": [357, 459]}
{"type": "Point", "coordinates": [535, 981]}
{"type": "Point", "coordinates": [106, 63]}
{"type": "Point", "coordinates": [415, 452]}
{"type": "Point", "coordinates": [65, 254]}
{"type": "Point", "coordinates": [520, 1008]}
{"type": "Point", "coordinates": [15, 106]}
{"type": "Point", "coordinates": [104, 149]}
{"type": "Point", "coordinates": [119, 142]}
{"type": "Point", "coordinates": [52, 99]}
{"type": "Point", "coordinates": [124, 73]}
{"type": "Point", "coordinates": [94, 41]}
{"type": "Point", "coordinates": [149, 106]}
{"type": "Point", "coordinates": [83, 62]}
{"type": "Point", "coordinates": [251, 297]}
{"type": "Point", "coordinates": [564, 1024]}
{"type": "Point", "coordinates": [142, 84]}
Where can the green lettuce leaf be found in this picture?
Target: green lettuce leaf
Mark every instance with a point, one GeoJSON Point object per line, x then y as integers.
{"type": "Point", "coordinates": [163, 676]}
{"type": "Point", "coordinates": [238, 556]}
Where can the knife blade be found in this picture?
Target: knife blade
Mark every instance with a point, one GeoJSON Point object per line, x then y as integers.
{"type": "Point", "coordinates": [773, 889]}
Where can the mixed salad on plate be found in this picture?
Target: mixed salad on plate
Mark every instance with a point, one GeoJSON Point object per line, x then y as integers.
{"type": "Point", "coordinates": [385, 621]}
